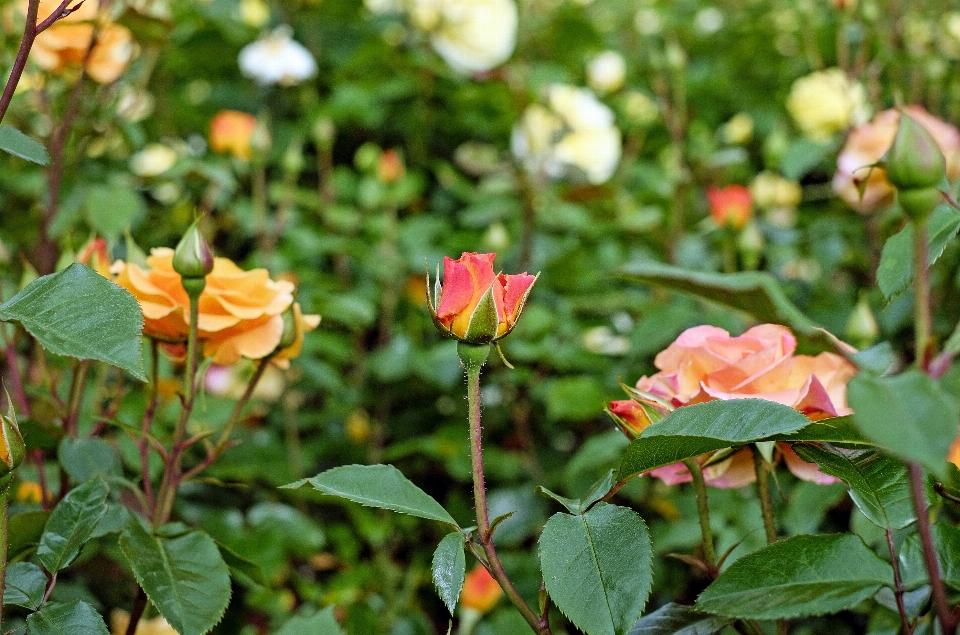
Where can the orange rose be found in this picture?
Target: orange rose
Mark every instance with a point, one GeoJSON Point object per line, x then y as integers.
{"type": "Point", "coordinates": [954, 455]}
{"type": "Point", "coordinates": [231, 132]}
{"type": "Point", "coordinates": [868, 143]}
{"type": "Point", "coordinates": [240, 311]}
{"type": "Point", "coordinates": [705, 364]}
{"type": "Point", "coordinates": [730, 206]}
{"type": "Point", "coordinates": [480, 591]}
{"type": "Point", "coordinates": [66, 42]}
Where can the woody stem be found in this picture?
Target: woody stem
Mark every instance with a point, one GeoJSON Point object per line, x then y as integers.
{"type": "Point", "coordinates": [703, 510]}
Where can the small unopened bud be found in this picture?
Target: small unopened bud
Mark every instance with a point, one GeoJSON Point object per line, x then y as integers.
{"type": "Point", "coordinates": [367, 157]}
{"type": "Point", "coordinates": [193, 258]}
{"type": "Point", "coordinates": [12, 449]}
{"type": "Point", "coordinates": [862, 329]}
{"type": "Point", "coordinates": [390, 167]}
{"type": "Point", "coordinates": [293, 161]}
{"type": "Point", "coordinates": [751, 244]}
{"type": "Point", "coordinates": [633, 416]}
{"type": "Point", "coordinates": [914, 161]}
{"type": "Point", "coordinates": [290, 329]}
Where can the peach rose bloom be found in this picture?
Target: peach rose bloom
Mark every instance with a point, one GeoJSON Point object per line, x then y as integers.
{"type": "Point", "coordinates": [240, 311]}
{"type": "Point", "coordinates": [231, 132]}
{"type": "Point", "coordinates": [705, 364]}
{"type": "Point", "coordinates": [65, 43]}
{"type": "Point", "coordinates": [868, 143]}
{"type": "Point", "coordinates": [480, 591]}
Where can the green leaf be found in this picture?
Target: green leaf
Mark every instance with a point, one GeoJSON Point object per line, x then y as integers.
{"type": "Point", "coordinates": [71, 524]}
{"type": "Point", "coordinates": [25, 585]}
{"type": "Point", "coordinates": [896, 260]}
{"type": "Point", "coordinates": [111, 209]}
{"type": "Point", "coordinates": [802, 575]}
{"type": "Point", "coordinates": [693, 430]}
{"type": "Point", "coordinates": [946, 542]}
{"type": "Point", "coordinates": [836, 430]}
{"type": "Point", "coordinates": [20, 145]}
{"type": "Point", "coordinates": [70, 618]}
{"type": "Point", "coordinates": [803, 155]}
{"type": "Point", "coordinates": [184, 576]}
{"type": "Point", "coordinates": [25, 531]}
{"type": "Point", "coordinates": [578, 505]}
{"type": "Point", "coordinates": [756, 293]}
{"type": "Point", "coordinates": [86, 458]}
{"type": "Point", "coordinates": [320, 623]}
{"type": "Point", "coordinates": [908, 415]}
{"type": "Point", "coordinates": [677, 619]}
{"type": "Point", "coordinates": [571, 504]}
{"type": "Point", "coordinates": [381, 486]}
{"type": "Point", "coordinates": [597, 567]}
{"type": "Point", "coordinates": [449, 568]}
{"type": "Point", "coordinates": [79, 313]}
{"type": "Point", "coordinates": [878, 484]}
{"type": "Point", "coordinates": [242, 567]}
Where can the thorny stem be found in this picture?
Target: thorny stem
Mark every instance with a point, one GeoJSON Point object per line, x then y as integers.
{"type": "Point", "coordinates": [703, 510]}
{"type": "Point", "coordinates": [4, 500]}
{"type": "Point", "coordinates": [898, 586]}
{"type": "Point", "coordinates": [484, 535]}
{"type": "Point", "coordinates": [949, 619]}
{"type": "Point", "coordinates": [766, 503]}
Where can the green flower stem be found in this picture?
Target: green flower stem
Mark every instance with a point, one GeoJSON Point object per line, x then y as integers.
{"type": "Point", "coordinates": [700, 487]}
{"type": "Point", "coordinates": [149, 411]}
{"type": "Point", "coordinates": [172, 476]}
{"type": "Point", "coordinates": [763, 489]}
{"type": "Point", "coordinates": [949, 619]}
{"type": "Point", "coordinates": [75, 401]}
{"type": "Point", "coordinates": [921, 306]}
{"type": "Point", "coordinates": [898, 586]}
{"type": "Point", "coordinates": [4, 502]}
{"type": "Point", "coordinates": [473, 357]}
{"type": "Point", "coordinates": [136, 612]}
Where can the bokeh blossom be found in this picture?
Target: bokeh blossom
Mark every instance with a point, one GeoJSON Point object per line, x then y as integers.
{"type": "Point", "coordinates": [277, 59]}
{"type": "Point", "coordinates": [867, 189]}
{"type": "Point", "coordinates": [231, 132]}
{"type": "Point", "coordinates": [480, 591]}
{"type": "Point", "coordinates": [730, 206]}
{"type": "Point", "coordinates": [606, 72]}
{"type": "Point", "coordinates": [474, 35]}
{"type": "Point", "coordinates": [826, 102]}
{"type": "Point", "coordinates": [574, 132]}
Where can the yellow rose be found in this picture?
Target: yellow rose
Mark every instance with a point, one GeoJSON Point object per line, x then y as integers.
{"type": "Point", "coordinates": [826, 102]}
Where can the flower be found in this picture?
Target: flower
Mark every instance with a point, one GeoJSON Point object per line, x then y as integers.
{"type": "Point", "coordinates": [470, 35]}
{"type": "Point", "coordinates": [705, 364]}
{"type": "Point", "coordinates": [66, 42]}
{"type": "Point", "coordinates": [231, 132]}
{"type": "Point", "coordinates": [954, 455]}
{"type": "Point", "coordinates": [240, 311]}
{"type": "Point", "coordinates": [575, 132]}
{"type": "Point", "coordinates": [772, 191]}
{"type": "Point", "coordinates": [634, 415]}
{"type": "Point", "coordinates": [739, 130]}
{"type": "Point", "coordinates": [153, 160]}
{"type": "Point", "coordinates": [606, 72]}
{"type": "Point", "coordinates": [867, 189]}
{"type": "Point", "coordinates": [277, 59]}
{"type": "Point", "coordinates": [826, 102]}
{"type": "Point", "coordinates": [12, 449]}
{"type": "Point", "coordinates": [730, 206]}
{"type": "Point", "coordinates": [29, 492]}
{"type": "Point", "coordinates": [480, 591]}
{"type": "Point", "coordinates": [474, 304]}
{"type": "Point", "coordinates": [119, 620]}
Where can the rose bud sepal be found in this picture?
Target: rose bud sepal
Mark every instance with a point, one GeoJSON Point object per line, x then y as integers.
{"type": "Point", "coordinates": [12, 448]}
{"type": "Point", "coordinates": [914, 161]}
{"type": "Point", "coordinates": [193, 259]}
{"type": "Point", "coordinates": [473, 356]}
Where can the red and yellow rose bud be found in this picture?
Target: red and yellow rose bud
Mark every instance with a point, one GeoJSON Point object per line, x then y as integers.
{"type": "Point", "coordinates": [633, 416]}
{"type": "Point", "coordinates": [480, 591]}
{"type": "Point", "coordinates": [474, 304]}
{"type": "Point", "coordinates": [390, 167]}
{"type": "Point", "coordinates": [231, 132]}
{"type": "Point", "coordinates": [94, 255]}
{"type": "Point", "coordinates": [730, 206]}
{"type": "Point", "coordinates": [12, 449]}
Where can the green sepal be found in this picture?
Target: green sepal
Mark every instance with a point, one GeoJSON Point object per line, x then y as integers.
{"type": "Point", "coordinates": [484, 320]}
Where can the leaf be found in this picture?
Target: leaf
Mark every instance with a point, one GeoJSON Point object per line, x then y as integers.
{"type": "Point", "coordinates": [801, 156]}
{"type": "Point", "coordinates": [79, 313]}
{"type": "Point", "coordinates": [756, 293]}
{"type": "Point", "coordinates": [946, 542]}
{"type": "Point", "coordinates": [896, 259]}
{"type": "Point", "coordinates": [111, 209]}
{"type": "Point", "coordinates": [835, 430]}
{"type": "Point", "coordinates": [184, 576]}
{"type": "Point", "coordinates": [381, 486]}
{"type": "Point", "coordinates": [71, 523]}
{"type": "Point", "coordinates": [878, 484]}
{"type": "Point", "coordinates": [20, 145]}
{"type": "Point", "coordinates": [320, 623]}
{"type": "Point", "coordinates": [242, 567]}
{"type": "Point", "coordinates": [70, 618]}
{"type": "Point", "coordinates": [449, 568]}
{"type": "Point", "coordinates": [908, 415]}
{"type": "Point", "coordinates": [677, 619]}
{"type": "Point", "coordinates": [802, 575]}
{"type": "Point", "coordinates": [597, 567]}
{"type": "Point", "coordinates": [84, 459]}
{"type": "Point", "coordinates": [25, 585]}
{"type": "Point", "coordinates": [26, 529]}
{"type": "Point", "coordinates": [578, 505]}
{"type": "Point", "coordinates": [693, 430]}
{"type": "Point", "coordinates": [571, 504]}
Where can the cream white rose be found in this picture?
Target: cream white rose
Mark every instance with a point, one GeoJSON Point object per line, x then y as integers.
{"type": "Point", "coordinates": [277, 59]}
{"type": "Point", "coordinates": [826, 102]}
{"type": "Point", "coordinates": [606, 72]}
{"type": "Point", "coordinates": [475, 35]}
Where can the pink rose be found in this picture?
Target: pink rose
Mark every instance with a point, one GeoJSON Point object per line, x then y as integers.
{"type": "Point", "coordinates": [867, 144]}
{"type": "Point", "coordinates": [705, 364]}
